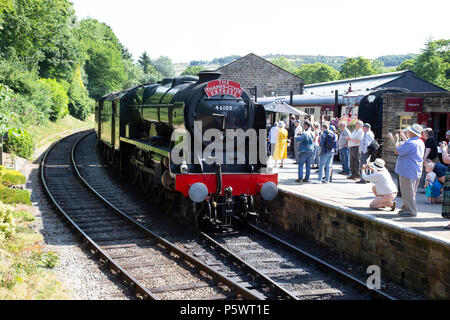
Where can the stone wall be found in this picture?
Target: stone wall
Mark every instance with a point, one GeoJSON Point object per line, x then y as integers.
{"type": "Point", "coordinates": [251, 71]}
{"type": "Point", "coordinates": [405, 256]}
{"type": "Point", "coordinates": [394, 108]}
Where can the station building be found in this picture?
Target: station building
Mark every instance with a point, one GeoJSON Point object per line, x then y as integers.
{"type": "Point", "coordinates": [400, 110]}
{"type": "Point", "coordinates": [351, 91]}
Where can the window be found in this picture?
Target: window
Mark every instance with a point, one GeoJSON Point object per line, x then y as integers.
{"type": "Point", "coordinates": [405, 122]}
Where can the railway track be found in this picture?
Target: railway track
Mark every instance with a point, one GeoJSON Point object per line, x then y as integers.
{"type": "Point", "coordinates": [152, 266]}
{"type": "Point", "coordinates": [253, 258]}
{"type": "Point", "coordinates": [296, 271]}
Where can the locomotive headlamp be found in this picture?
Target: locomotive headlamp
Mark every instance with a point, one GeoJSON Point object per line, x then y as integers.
{"type": "Point", "coordinates": [184, 167]}
{"type": "Point", "coordinates": [198, 192]}
{"type": "Point", "coordinates": [371, 98]}
{"type": "Point", "coordinates": [269, 191]}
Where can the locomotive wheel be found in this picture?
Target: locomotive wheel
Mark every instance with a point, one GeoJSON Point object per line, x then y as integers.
{"type": "Point", "coordinates": [134, 173]}
{"type": "Point", "coordinates": [145, 182]}
{"type": "Point", "coordinates": [157, 193]}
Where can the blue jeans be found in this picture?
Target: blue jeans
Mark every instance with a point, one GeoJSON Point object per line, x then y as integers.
{"type": "Point", "coordinates": [315, 159]}
{"type": "Point", "coordinates": [305, 158]}
{"type": "Point", "coordinates": [344, 156]}
{"type": "Point", "coordinates": [326, 160]}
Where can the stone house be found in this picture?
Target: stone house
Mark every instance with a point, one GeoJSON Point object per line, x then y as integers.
{"type": "Point", "coordinates": [270, 80]}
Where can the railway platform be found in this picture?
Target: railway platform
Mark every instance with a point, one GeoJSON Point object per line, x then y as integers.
{"type": "Point", "coordinates": [411, 251]}
{"type": "Point", "coordinates": [349, 194]}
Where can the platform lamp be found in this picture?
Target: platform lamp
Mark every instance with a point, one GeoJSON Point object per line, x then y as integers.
{"type": "Point", "coordinates": [351, 98]}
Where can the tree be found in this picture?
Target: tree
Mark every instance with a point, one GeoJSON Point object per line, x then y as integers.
{"type": "Point", "coordinates": [192, 70]}
{"type": "Point", "coordinates": [378, 66]}
{"type": "Point", "coordinates": [103, 56]}
{"type": "Point", "coordinates": [164, 66]}
{"type": "Point", "coordinates": [5, 6]}
{"type": "Point", "coordinates": [40, 33]}
{"type": "Point", "coordinates": [433, 64]}
{"type": "Point", "coordinates": [60, 100]}
{"type": "Point", "coordinates": [285, 64]}
{"type": "Point", "coordinates": [316, 73]}
{"type": "Point", "coordinates": [80, 105]}
{"type": "Point", "coordinates": [145, 61]}
{"type": "Point", "coordinates": [356, 67]}
{"type": "Point", "coordinates": [407, 65]}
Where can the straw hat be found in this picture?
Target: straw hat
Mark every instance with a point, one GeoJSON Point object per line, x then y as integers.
{"type": "Point", "coordinates": [378, 164]}
{"type": "Point", "coordinates": [416, 129]}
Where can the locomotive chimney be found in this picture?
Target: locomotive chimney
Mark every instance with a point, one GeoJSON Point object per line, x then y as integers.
{"type": "Point", "coordinates": [206, 76]}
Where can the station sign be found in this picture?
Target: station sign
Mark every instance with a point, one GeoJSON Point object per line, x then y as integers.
{"type": "Point", "coordinates": [413, 104]}
{"type": "Point", "coordinates": [226, 87]}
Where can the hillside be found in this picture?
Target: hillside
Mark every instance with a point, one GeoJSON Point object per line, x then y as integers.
{"type": "Point", "coordinates": [389, 61]}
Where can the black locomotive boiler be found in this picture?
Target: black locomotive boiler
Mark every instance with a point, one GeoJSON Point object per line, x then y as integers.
{"type": "Point", "coordinates": [155, 134]}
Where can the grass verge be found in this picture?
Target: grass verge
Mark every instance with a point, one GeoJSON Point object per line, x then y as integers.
{"type": "Point", "coordinates": [53, 131]}
{"type": "Point", "coordinates": [25, 264]}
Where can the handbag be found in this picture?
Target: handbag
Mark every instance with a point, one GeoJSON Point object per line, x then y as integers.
{"type": "Point", "coordinates": [373, 147]}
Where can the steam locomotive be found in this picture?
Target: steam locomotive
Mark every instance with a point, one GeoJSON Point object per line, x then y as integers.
{"type": "Point", "coordinates": [197, 145]}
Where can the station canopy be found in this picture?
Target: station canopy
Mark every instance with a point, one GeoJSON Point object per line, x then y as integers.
{"type": "Point", "coordinates": [279, 106]}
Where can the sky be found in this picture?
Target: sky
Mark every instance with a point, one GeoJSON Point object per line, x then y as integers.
{"type": "Point", "coordinates": [202, 30]}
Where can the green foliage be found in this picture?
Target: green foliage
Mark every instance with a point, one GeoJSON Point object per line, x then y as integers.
{"type": "Point", "coordinates": [7, 225]}
{"type": "Point", "coordinates": [356, 67]}
{"type": "Point", "coordinates": [7, 98]}
{"type": "Point", "coordinates": [164, 66]}
{"type": "Point", "coordinates": [103, 58]}
{"type": "Point", "coordinates": [145, 62]}
{"type": "Point", "coordinates": [192, 70]}
{"type": "Point", "coordinates": [39, 32]}
{"type": "Point", "coordinates": [316, 73]}
{"type": "Point", "coordinates": [59, 99]}
{"type": "Point", "coordinates": [406, 65]}
{"type": "Point", "coordinates": [24, 216]}
{"type": "Point", "coordinates": [433, 64]}
{"type": "Point", "coordinates": [378, 66]}
{"type": "Point", "coordinates": [11, 177]}
{"type": "Point", "coordinates": [285, 64]}
{"type": "Point", "coordinates": [80, 105]}
{"type": "Point", "coordinates": [25, 264]}
{"type": "Point", "coordinates": [395, 60]}
{"type": "Point", "coordinates": [11, 196]}
{"type": "Point", "coordinates": [19, 142]}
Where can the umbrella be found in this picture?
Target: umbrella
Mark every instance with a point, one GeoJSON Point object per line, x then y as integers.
{"type": "Point", "coordinates": [282, 107]}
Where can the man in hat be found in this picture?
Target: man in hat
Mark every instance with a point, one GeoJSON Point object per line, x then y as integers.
{"type": "Point", "coordinates": [353, 142]}
{"type": "Point", "coordinates": [366, 140]}
{"type": "Point", "coordinates": [297, 133]}
{"type": "Point", "coordinates": [384, 188]}
{"type": "Point", "coordinates": [409, 167]}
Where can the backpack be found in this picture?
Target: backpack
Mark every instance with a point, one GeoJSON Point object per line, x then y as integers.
{"type": "Point", "coordinates": [329, 141]}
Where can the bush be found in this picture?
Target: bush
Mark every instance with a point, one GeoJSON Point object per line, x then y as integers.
{"type": "Point", "coordinates": [13, 196]}
{"type": "Point", "coordinates": [7, 98]}
{"type": "Point", "coordinates": [80, 105]}
{"type": "Point", "coordinates": [11, 177]}
{"type": "Point", "coordinates": [59, 99]}
{"type": "Point", "coordinates": [19, 142]}
{"type": "Point", "coordinates": [7, 225]}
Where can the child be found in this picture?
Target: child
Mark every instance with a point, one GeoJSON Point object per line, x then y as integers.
{"type": "Point", "coordinates": [432, 186]}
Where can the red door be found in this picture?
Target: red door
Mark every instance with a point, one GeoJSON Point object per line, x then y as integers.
{"type": "Point", "coordinates": [422, 118]}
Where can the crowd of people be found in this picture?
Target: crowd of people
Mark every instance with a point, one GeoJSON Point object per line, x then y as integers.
{"type": "Point", "coordinates": [421, 161]}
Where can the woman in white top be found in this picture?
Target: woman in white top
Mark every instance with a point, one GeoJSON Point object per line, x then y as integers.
{"type": "Point", "coordinates": [384, 188]}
